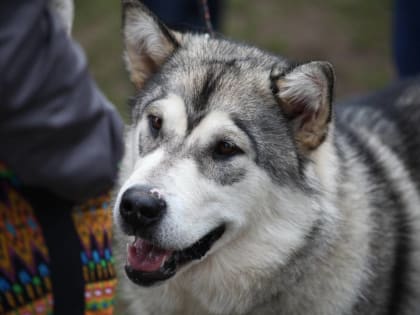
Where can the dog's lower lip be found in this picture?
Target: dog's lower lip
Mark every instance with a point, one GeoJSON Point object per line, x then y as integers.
{"type": "Point", "coordinates": [146, 271]}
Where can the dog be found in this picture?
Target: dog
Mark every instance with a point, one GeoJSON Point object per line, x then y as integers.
{"type": "Point", "coordinates": [244, 191]}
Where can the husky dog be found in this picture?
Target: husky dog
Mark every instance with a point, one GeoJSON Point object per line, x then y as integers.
{"type": "Point", "coordinates": [244, 192]}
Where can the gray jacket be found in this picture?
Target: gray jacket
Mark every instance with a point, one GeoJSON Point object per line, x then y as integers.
{"type": "Point", "coordinates": [57, 131]}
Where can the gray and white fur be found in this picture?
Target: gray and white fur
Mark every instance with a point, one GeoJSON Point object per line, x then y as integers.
{"type": "Point", "coordinates": [320, 205]}
{"type": "Point", "coordinates": [65, 12]}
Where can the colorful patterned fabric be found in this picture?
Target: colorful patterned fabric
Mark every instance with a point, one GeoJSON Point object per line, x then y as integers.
{"type": "Point", "coordinates": [25, 283]}
{"type": "Point", "coordinates": [93, 223]}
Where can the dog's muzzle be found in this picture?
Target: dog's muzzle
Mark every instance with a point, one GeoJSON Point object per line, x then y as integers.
{"type": "Point", "coordinates": [148, 264]}
{"type": "Point", "coordinates": [142, 209]}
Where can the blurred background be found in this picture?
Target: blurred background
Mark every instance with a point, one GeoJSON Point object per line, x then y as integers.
{"type": "Point", "coordinates": [354, 35]}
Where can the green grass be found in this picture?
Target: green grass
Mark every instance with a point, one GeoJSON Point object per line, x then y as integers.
{"type": "Point", "coordinates": [352, 34]}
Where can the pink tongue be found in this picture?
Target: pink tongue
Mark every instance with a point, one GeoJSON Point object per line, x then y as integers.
{"type": "Point", "coordinates": [143, 256]}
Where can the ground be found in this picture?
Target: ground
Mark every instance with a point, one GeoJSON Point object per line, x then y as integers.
{"type": "Point", "coordinates": [354, 35]}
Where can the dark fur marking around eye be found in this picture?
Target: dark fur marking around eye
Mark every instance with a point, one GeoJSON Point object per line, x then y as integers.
{"type": "Point", "coordinates": [225, 150]}
{"type": "Point", "coordinates": [223, 173]}
{"type": "Point", "coordinates": [242, 126]}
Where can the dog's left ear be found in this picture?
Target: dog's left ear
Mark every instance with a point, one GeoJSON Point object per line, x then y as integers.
{"type": "Point", "coordinates": [148, 41]}
{"type": "Point", "coordinates": [305, 95]}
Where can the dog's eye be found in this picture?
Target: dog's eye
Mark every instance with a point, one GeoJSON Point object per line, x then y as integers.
{"type": "Point", "coordinates": [226, 149]}
{"type": "Point", "coordinates": [155, 123]}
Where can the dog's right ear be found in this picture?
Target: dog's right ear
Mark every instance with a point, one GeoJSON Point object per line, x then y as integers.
{"type": "Point", "coordinates": [148, 42]}
{"type": "Point", "coordinates": [305, 95]}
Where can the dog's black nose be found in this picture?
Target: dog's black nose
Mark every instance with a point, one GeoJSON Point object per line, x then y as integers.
{"type": "Point", "coordinates": [140, 207]}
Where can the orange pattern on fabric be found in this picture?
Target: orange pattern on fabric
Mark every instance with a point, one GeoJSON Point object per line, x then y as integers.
{"type": "Point", "coordinates": [99, 298]}
{"type": "Point", "coordinates": [93, 222]}
{"type": "Point", "coordinates": [25, 285]}
{"type": "Point", "coordinates": [17, 216]}
{"type": "Point", "coordinates": [41, 306]}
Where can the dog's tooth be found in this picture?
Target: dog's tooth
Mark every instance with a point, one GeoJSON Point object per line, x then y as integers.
{"type": "Point", "coordinates": [163, 261]}
{"type": "Point", "coordinates": [134, 240]}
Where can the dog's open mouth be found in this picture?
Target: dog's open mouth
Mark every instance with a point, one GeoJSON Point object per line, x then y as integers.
{"type": "Point", "coordinates": [148, 264]}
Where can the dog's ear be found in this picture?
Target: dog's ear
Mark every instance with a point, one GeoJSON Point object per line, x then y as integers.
{"type": "Point", "coordinates": [305, 94]}
{"type": "Point", "coordinates": [148, 42]}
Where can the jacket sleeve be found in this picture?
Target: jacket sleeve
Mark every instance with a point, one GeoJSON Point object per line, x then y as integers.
{"type": "Point", "coordinates": [57, 131]}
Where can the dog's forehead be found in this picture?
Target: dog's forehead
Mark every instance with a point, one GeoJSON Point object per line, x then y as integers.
{"type": "Point", "coordinates": [207, 83]}
{"type": "Point", "coordinates": [213, 74]}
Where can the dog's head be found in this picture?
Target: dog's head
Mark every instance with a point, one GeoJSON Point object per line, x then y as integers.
{"type": "Point", "coordinates": [217, 160]}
